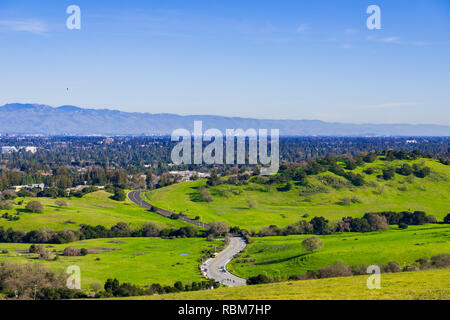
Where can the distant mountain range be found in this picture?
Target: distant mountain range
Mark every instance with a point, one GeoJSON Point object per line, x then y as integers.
{"type": "Point", "coordinates": [70, 120]}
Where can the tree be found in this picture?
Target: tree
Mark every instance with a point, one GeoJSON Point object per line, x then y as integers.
{"type": "Point", "coordinates": [320, 225]}
{"type": "Point", "coordinates": [388, 173]}
{"type": "Point", "coordinates": [313, 243]}
{"type": "Point", "coordinates": [119, 194]}
{"type": "Point", "coordinates": [205, 195]}
{"type": "Point", "coordinates": [376, 221]}
{"type": "Point", "coordinates": [35, 207]}
{"type": "Point", "coordinates": [218, 228]}
{"type": "Point", "coordinates": [112, 286]}
{"type": "Point", "coordinates": [151, 229]}
{"type": "Point", "coordinates": [447, 219]}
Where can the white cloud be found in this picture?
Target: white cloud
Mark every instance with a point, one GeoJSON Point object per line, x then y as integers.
{"type": "Point", "coordinates": [31, 26]}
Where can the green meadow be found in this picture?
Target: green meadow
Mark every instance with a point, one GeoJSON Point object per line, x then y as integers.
{"type": "Point", "coordinates": [285, 256]}
{"type": "Point", "coordinates": [93, 209]}
{"type": "Point", "coordinates": [141, 261]}
{"type": "Point", "coordinates": [273, 207]}
{"type": "Point", "coordinates": [422, 285]}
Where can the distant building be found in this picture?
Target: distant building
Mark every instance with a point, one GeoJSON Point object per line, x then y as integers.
{"type": "Point", "coordinates": [29, 186]}
{"type": "Point", "coordinates": [187, 175]}
{"type": "Point", "coordinates": [411, 141]}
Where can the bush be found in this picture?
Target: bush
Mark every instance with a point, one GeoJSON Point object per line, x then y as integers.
{"type": "Point", "coordinates": [338, 269]}
{"type": "Point", "coordinates": [72, 252]}
{"type": "Point", "coordinates": [6, 205]}
{"type": "Point", "coordinates": [35, 207]}
{"type": "Point", "coordinates": [441, 260]}
{"type": "Point", "coordinates": [259, 279]}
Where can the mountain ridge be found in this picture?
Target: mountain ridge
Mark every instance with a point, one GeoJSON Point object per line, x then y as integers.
{"type": "Point", "coordinates": [72, 120]}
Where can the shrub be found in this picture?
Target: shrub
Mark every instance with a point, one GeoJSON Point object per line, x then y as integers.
{"type": "Point", "coordinates": [259, 279]}
{"type": "Point", "coordinates": [441, 260]}
{"type": "Point", "coordinates": [403, 225]}
{"type": "Point", "coordinates": [72, 252]}
{"type": "Point", "coordinates": [338, 269]}
{"type": "Point", "coordinates": [6, 205]}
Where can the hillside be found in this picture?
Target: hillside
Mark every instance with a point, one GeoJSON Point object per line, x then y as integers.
{"type": "Point", "coordinates": [256, 205]}
{"type": "Point", "coordinates": [141, 261]}
{"type": "Point", "coordinates": [71, 120]}
{"type": "Point", "coordinates": [423, 285]}
{"type": "Point", "coordinates": [93, 209]}
{"type": "Point", "coordinates": [285, 256]}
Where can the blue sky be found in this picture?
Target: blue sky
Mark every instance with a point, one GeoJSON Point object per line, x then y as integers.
{"type": "Point", "coordinates": [277, 59]}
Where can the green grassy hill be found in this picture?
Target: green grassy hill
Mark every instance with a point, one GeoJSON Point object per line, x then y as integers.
{"type": "Point", "coordinates": [326, 195]}
{"type": "Point", "coordinates": [93, 209]}
{"type": "Point", "coordinates": [141, 261]}
{"type": "Point", "coordinates": [285, 256]}
{"type": "Point", "coordinates": [424, 285]}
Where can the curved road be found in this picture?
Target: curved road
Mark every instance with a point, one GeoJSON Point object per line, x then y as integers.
{"type": "Point", "coordinates": [214, 268]}
{"type": "Point", "coordinates": [135, 197]}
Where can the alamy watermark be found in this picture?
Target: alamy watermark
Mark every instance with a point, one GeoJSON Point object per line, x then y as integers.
{"type": "Point", "coordinates": [73, 22]}
{"type": "Point", "coordinates": [74, 279]}
{"type": "Point", "coordinates": [213, 153]}
{"type": "Point", "coordinates": [374, 281]}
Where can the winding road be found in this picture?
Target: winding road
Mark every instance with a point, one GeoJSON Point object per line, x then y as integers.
{"type": "Point", "coordinates": [214, 268]}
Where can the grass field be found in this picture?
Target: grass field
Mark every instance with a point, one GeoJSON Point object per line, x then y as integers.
{"type": "Point", "coordinates": [141, 261]}
{"type": "Point", "coordinates": [94, 209]}
{"type": "Point", "coordinates": [274, 207]}
{"type": "Point", "coordinates": [284, 256]}
{"type": "Point", "coordinates": [423, 285]}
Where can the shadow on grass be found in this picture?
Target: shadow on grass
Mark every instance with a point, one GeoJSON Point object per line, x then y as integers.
{"type": "Point", "coordinates": [282, 260]}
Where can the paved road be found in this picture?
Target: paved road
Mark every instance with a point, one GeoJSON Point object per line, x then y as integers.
{"type": "Point", "coordinates": [135, 197]}
{"type": "Point", "coordinates": [216, 268]}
